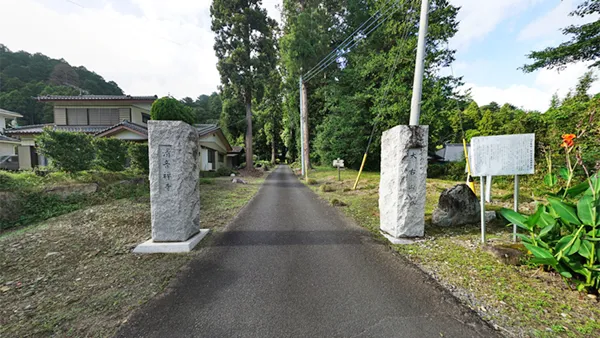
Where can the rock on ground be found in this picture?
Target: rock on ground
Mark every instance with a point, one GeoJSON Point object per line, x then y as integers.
{"type": "Point", "coordinates": [457, 206]}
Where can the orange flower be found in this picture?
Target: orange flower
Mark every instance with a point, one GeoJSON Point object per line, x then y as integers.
{"type": "Point", "coordinates": [568, 140]}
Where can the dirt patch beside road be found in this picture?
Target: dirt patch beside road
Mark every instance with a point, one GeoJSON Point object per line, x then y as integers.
{"type": "Point", "coordinates": [74, 275]}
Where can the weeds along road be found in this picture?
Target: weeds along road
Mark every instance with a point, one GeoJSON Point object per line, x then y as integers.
{"type": "Point", "coordinates": [291, 266]}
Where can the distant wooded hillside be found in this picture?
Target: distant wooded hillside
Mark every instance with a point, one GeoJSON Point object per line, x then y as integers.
{"type": "Point", "coordinates": [24, 76]}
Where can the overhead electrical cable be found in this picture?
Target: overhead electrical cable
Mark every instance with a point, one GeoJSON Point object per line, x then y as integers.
{"type": "Point", "coordinates": [354, 38]}
{"type": "Point", "coordinates": [384, 97]}
{"type": "Point", "coordinates": [348, 39]}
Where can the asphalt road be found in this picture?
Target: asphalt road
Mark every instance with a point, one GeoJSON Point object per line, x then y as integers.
{"type": "Point", "coordinates": [292, 266]}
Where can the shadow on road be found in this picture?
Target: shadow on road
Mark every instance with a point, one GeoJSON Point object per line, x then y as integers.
{"type": "Point", "coordinates": [249, 238]}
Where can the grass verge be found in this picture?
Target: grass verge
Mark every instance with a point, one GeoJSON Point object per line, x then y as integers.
{"type": "Point", "coordinates": [74, 275]}
{"type": "Point", "coordinates": [517, 300]}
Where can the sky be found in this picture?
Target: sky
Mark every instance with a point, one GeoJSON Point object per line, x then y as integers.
{"type": "Point", "coordinates": [163, 47]}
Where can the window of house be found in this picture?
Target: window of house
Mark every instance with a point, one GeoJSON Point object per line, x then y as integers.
{"type": "Point", "coordinates": [221, 158]}
{"type": "Point", "coordinates": [77, 116]}
{"type": "Point", "coordinates": [103, 116]}
{"type": "Point", "coordinates": [211, 156]}
{"type": "Point", "coordinates": [145, 118]}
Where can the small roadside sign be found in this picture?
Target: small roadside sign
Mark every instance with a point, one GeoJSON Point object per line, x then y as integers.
{"type": "Point", "coordinates": [339, 163]}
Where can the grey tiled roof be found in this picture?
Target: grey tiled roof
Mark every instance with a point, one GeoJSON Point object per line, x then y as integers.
{"type": "Point", "coordinates": [9, 113]}
{"type": "Point", "coordinates": [38, 128]}
{"type": "Point", "coordinates": [452, 152]}
{"type": "Point", "coordinates": [4, 138]}
{"type": "Point", "coordinates": [204, 129]}
{"type": "Point", "coordinates": [96, 98]}
{"type": "Point", "coordinates": [126, 124]}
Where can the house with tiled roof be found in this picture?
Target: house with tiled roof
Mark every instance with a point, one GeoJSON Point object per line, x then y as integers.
{"type": "Point", "coordinates": [120, 116]}
{"type": "Point", "coordinates": [90, 114]}
{"type": "Point", "coordinates": [215, 150]}
{"type": "Point", "coordinates": [8, 144]}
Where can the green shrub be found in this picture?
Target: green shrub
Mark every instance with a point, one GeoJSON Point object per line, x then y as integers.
{"type": "Point", "coordinates": [436, 170]}
{"type": "Point", "coordinates": [168, 108]}
{"type": "Point", "coordinates": [327, 188]}
{"type": "Point", "coordinates": [223, 171]}
{"type": "Point", "coordinates": [69, 152]}
{"type": "Point", "coordinates": [35, 205]}
{"type": "Point", "coordinates": [138, 154]}
{"type": "Point", "coordinates": [209, 174]}
{"type": "Point", "coordinates": [206, 180]}
{"type": "Point", "coordinates": [262, 163]}
{"type": "Point", "coordinates": [110, 153]}
{"type": "Point", "coordinates": [455, 171]}
{"type": "Point", "coordinates": [312, 181]}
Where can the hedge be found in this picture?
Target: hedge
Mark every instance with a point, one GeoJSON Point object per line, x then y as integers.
{"type": "Point", "coordinates": [69, 152]}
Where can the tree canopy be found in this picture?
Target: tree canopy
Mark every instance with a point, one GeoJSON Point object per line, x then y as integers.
{"type": "Point", "coordinates": [584, 44]}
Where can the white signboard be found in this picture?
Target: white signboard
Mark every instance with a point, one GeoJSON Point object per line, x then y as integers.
{"type": "Point", "coordinates": [502, 155]}
{"type": "Point", "coordinates": [339, 163]}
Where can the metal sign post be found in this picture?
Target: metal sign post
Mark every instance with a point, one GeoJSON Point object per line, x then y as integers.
{"type": "Point", "coordinates": [500, 156]}
{"type": "Point", "coordinates": [339, 163]}
{"type": "Point", "coordinates": [482, 201]}
{"type": "Point", "coordinates": [516, 206]}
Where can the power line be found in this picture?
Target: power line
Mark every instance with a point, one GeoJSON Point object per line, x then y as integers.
{"type": "Point", "coordinates": [404, 35]}
{"type": "Point", "coordinates": [356, 42]}
{"type": "Point", "coordinates": [335, 53]}
{"type": "Point", "coordinates": [347, 40]}
{"type": "Point", "coordinates": [384, 97]}
{"type": "Point", "coordinates": [75, 3]}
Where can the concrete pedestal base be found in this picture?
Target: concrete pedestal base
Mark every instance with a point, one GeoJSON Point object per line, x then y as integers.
{"type": "Point", "coordinates": [400, 241]}
{"type": "Point", "coordinates": [171, 247]}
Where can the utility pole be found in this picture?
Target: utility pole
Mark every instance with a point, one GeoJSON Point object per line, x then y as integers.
{"type": "Point", "coordinates": [305, 145]}
{"type": "Point", "coordinates": [415, 107]}
{"type": "Point", "coordinates": [301, 126]}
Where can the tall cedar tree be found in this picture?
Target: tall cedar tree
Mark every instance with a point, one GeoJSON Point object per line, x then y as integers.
{"type": "Point", "coordinates": [583, 46]}
{"type": "Point", "coordinates": [245, 47]}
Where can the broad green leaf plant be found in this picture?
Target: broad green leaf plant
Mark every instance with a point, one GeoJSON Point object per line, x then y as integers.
{"type": "Point", "coordinates": [564, 233]}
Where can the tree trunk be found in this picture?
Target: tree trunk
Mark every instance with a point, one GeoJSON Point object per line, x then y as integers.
{"type": "Point", "coordinates": [273, 152]}
{"type": "Point", "coordinates": [249, 161]}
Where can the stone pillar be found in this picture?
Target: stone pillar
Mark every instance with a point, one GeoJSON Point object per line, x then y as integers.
{"type": "Point", "coordinates": [403, 181]}
{"type": "Point", "coordinates": [174, 174]}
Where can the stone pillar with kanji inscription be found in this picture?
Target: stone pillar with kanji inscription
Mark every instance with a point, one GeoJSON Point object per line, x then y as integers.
{"type": "Point", "coordinates": [402, 187]}
{"type": "Point", "coordinates": [174, 174]}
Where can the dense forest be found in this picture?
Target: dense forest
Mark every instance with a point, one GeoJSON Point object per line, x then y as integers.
{"type": "Point", "coordinates": [24, 76]}
{"type": "Point", "coordinates": [368, 85]}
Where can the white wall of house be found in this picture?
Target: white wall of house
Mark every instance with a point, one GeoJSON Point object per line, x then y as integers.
{"type": "Point", "coordinates": [214, 142]}
{"type": "Point", "coordinates": [131, 112]}
{"type": "Point", "coordinates": [24, 153]}
{"type": "Point", "coordinates": [129, 136]}
{"type": "Point", "coordinates": [7, 148]}
{"type": "Point", "coordinates": [2, 123]}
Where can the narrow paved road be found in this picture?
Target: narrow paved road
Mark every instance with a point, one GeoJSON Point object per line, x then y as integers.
{"type": "Point", "coordinates": [291, 266]}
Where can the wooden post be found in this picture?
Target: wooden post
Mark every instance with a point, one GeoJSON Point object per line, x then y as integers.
{"type": "Point", "coordinates": [305, 146]}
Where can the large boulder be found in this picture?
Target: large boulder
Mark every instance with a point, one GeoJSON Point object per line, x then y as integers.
{"type": "Point", "coordinates": [457, 206]}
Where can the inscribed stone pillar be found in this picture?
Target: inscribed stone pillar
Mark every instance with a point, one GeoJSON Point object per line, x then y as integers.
{"type": "Point", "coordinates": [403, 179]}
{"type": "Point", "coordinates": [174, 174]}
